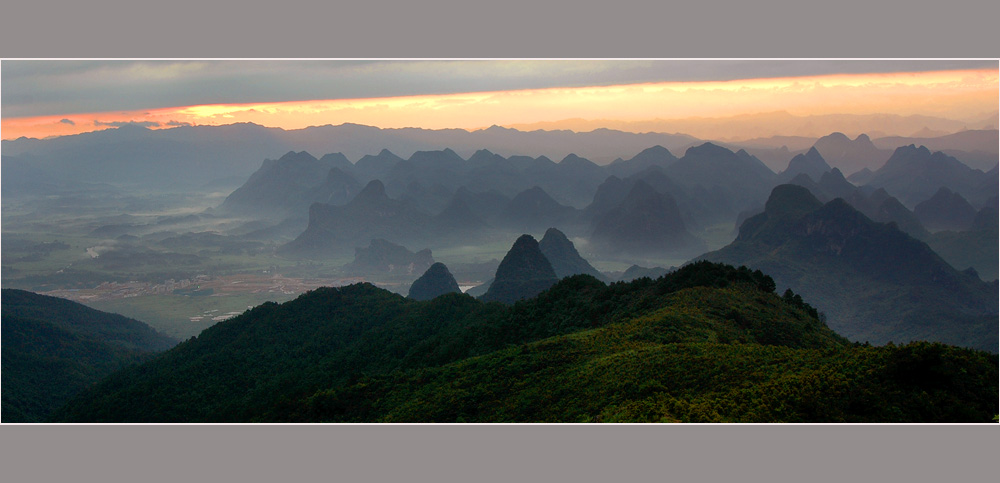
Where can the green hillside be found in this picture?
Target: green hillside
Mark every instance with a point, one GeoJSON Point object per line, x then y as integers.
{"type": "Point", "coordinates": [55, 348]}
{"type": "Point", "coordinates": [707, 342]}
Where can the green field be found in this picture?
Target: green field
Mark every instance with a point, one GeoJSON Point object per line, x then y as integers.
{"type": "Point", "coordinates": [170, 314]}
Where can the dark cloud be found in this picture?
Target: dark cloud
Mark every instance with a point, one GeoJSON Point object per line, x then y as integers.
{"type": "Point", "coordinates": [54, 87]}
{"type": "Point", "coordinates": [68, 121]}
{"type": "Point", "coordinates": [127, 123]}
{"type": "Point", "coordinates": [178, 123]}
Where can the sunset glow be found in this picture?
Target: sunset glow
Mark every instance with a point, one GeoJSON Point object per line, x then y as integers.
{"type": "Point", "coordinates": [959, 94]}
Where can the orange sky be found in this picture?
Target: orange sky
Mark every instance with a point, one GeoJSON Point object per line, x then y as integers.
{"type": "Point", "coordinates": [957, 94]}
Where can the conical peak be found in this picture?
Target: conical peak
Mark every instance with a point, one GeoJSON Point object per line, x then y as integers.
{"type": "Point", "coordinates": [373, 191]}
{"type": "Point", "coordinates": [790, 198]}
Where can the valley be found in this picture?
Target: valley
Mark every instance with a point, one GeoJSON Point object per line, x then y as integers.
{"type": "Point", "coordinates": [438, 286]}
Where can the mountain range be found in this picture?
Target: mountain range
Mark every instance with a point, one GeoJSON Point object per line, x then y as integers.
{"type": "Point", "coordinates": [777, 123]}
{"type": "Point", "coordinates": [873, 282]}
{"type": "Point", "coordinates": [195, 157]}
{"type": "Point", "coordinates": [386, 258]}
{"type": "Point", "coordinates": [914, 174]}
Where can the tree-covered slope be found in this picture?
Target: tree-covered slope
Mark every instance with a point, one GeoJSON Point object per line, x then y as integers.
{"type": "Point", "coordinates": [55, 348]}
{"type": "Point", "coordinates": [707, 336]}
{"type": "Point", "coordinates": [627, 373]}
{"type": "Point", "coordinates": [80, 319]}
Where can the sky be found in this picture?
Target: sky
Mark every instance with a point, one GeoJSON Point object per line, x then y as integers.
{"type": "Point", "coordinates": [41, 98]}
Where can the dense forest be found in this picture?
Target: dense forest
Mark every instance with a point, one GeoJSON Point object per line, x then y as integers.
{"type": "Point", "coordinates": [708, 342]}
{"type": "Point", "coordinates": [54, 348]}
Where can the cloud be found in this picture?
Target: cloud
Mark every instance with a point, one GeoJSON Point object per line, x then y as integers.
{"type": "Point", "coordinates": [68, 121]}
{"type": "Point", "coordinates": [127, 85]}
{"type": "Point", "coordinates": [177, 124]}
{"type": "Point", "coordinates": [127, 123]}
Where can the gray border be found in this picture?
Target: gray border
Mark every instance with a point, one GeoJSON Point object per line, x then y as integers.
{"type": "Point", "coordinates": [510, 28]}
{"type": "Point", "coordinates": [190, 28]}
{"type": "Point", "coordinates": [498, 453]}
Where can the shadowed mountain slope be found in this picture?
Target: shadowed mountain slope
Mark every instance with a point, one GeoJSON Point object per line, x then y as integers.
{"type": "Point", "coordinates": [281, 187]}
{"type": "Point", "coordinates": [371, 214]}
{"type": "Point", "coordinates": [436, 281]}
{"type": "Point", "coordinates": [810, 164]}
{"type": "Point", "coordinates": [874, 282]}
{"type": "Point", "coordinates": [914, 174]}
{"type": "Point", "coordinates": [381, 256]}
{"type": "Point", "coordinates": [523, 273]}
{"type": "Point", "coordinates": [946, 210]}
{"type": "Point", "coordinates": [564, 257]}
{"type": "Point", "coordinates": [646, 222]}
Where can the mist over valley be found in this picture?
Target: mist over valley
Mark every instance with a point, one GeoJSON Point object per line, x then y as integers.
{"type": "Point", "coordinates": [749, 268]}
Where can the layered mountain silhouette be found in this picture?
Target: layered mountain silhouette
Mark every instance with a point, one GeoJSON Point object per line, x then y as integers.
{"type": "Point", "coordinates": [436, 281]}
{"type": "Point", "coordinates": [914, 174]}
{"type": "Point", "coordinates": [523, 273]}
{"type": "Point", "coordinates": [655, 156]}
{"type": "Point", "coordinates": [986, 220]}
{"type": "Point", "coordinates": [565, 259]}
{"type": "Point", "coordinates": [424, 168]}
{"type": "Point", "coordinates": [850, 156]}
{"type": "Point", "coordinates": [338, 188]}
{"type": "Point", "coordinates": [190, 157]}
{"type": "Point", "coordinates": [371, 214]}
{"type": "Point", "coordinates": [635, 271]}
{"type": "Point", "coordinates": [458, 217]}
{"type": "Point", "coordinates": [381, 256]}
{"type": "Point", "coordinates": [709, 185]}
{"type": "Point", "coordinates": [976, 148]}
{"type": "Point", "coordinates": [646, 222]}
{"type": "Point", "coordinates": [810, 164]}
{"type": "Point", "coordinates": [877, 205]}
{"type": "Point", "coordinates": [874, 282]}
{"type": "Point", "coordinates": [486, 206]}
{"type": "Point", "coordinates": [534, 210]}
{"type": "Point", "coordinates": [975, 247]}
{"type": "Point", "coordinates": [284, 186]}
{"type": "Point", "coordinates": [946, 210]}
{"type": "Point", "coordinates": [377, 166]}
{"type": "Point", "coordinates": [714, 174]}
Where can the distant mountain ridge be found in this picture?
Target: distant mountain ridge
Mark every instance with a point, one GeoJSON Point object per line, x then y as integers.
{"type": "Point", "coordinates": [766, 124]}
{"type": "Point", "coordinates": [946, 210]}
{"type": "Point", "coordinates": [371, 214]}
{"type": "Point", "coordinates": [646, 222]}
{"type": "Point", "coordinates": [190, 157]}
{"type": "Point", "coordinates": [194, 156]}
{"type": "Point", "coordinates": [811, 164]}
{"type": "Point", "coordinates": [914, 174]}
{"type": "Point", "coordinates": [381, 256]}
{"type": "Point", "coordinates": [283, 186]}
{"type": "Point", "coordinates": [874, 282]}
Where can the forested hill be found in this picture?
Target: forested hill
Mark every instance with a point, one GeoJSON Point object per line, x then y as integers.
{"type": "Point", "coordinates": [54, 348]}
{"type": "Point", "coordinates": [707, 342]}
